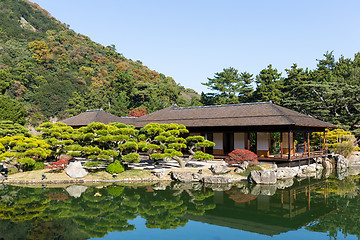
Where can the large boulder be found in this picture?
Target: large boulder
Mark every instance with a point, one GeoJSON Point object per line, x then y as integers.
{"type": "Point", "coordinates": [341, 162]}
{"type": "Point", "coordinates": [286, 172]}
{"type": "Point", "coordinates": [185, 176]}
{"type": "Point", "coordinates": [76, 190]}
{"type": "Point", "coordinates": [76, 170]}
{"type": "Point", "coordinates": [262, 177]}
{"type": "Point", "coordinates": [355, 158]}
{"type": "Point", "coordinates": [216, 179]}
{"type": "Point", "coordinates": [220, 169]}
{"type": "Point", "coordinates": [309, 169]}
{"type": "Point", "coordinates": [159, 172]}
{"type": "Point", "coordinates": [327, 164]}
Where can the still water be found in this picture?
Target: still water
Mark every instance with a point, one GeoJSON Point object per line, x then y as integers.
{"type": "Point", "coordinates": [306, 209]}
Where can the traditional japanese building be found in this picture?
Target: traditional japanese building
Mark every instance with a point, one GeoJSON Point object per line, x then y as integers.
{"type": "Point", "coordinates": [259, 127]}
{"type": "Point", "coordinates": [97, 115]}
{"type": "Point", "coordinates": [275, 133]}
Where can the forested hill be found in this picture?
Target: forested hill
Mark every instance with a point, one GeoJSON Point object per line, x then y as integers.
{"type": "Point", "coordinates": [53, 71]}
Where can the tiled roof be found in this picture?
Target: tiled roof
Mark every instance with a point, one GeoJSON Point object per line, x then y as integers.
{"type": "Point", "coordinates": [243, 115]}
{"type": "Point", "coordinates": [101, 116]}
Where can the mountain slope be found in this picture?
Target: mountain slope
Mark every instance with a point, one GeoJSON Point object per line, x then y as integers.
{"type": "Point", "coordinates": [57, 72]}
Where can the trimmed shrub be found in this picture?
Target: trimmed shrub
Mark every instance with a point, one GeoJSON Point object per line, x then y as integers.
{"type": "Point", "coordinates": [93, 163]}
{"type": "Point", "coordinates": [131, 157]}
{"type": "Point", "coordinates": [240, 155]}
{"type": "Point", "coordinates": [115, 167]}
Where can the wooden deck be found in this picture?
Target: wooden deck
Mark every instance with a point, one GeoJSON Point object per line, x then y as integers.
{"type": "Point", "coordinates": [294, 157]}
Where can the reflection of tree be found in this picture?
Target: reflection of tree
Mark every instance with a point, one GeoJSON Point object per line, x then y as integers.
{"type": "Point", "coordinates": [167, 209]}
{"type": "Point", "coordinates": [99, 211]}
{"type": "Point", "coordinates": [22, 204]}
{"type": "Point", "coordinates": [52, 214]}
{"type": "Point", "coordinates": [347, 218]}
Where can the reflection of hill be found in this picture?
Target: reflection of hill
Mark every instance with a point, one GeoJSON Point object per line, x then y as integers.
{"type": "Point", "coordinates": [287, 210]}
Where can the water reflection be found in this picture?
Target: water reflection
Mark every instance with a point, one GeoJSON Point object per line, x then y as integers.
{"type": "Point", "coordinates": [83, 212]}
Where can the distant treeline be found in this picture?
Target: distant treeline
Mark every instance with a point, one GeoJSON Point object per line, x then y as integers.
{"type": "Point", "coordinates": [331, 92]}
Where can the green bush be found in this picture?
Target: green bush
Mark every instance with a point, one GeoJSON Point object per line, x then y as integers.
{"type": "Point", "coordinates": [132, 157]}
{"type": "Point", "coordinates": [39, 166]}
{"type": "Point", "coordinates": [12, 170]}
{"type": "Point", "coordinates": [115, 167]}
{"type": "Point", "coordinates": [93, 163]}
{"type": "Point", "coordinates": [345, 148]}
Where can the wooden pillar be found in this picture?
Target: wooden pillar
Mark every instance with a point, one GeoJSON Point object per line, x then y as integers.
{"type": "Point", "coordinates": [289, 144]}
{"type": "Point", "coordinates": [281, 144]}
{"type": "Point", "coordinates": [305, 143]}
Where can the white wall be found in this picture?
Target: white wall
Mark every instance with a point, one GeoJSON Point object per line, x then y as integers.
{"type": "Point", "coordinates": [285, 138]}
{"type": "Point", "coordinates": [263, 141]}
{"type": "Point", "coordinates": [218, 140]}
{"type": "Point", "coordinates": [239, 140]}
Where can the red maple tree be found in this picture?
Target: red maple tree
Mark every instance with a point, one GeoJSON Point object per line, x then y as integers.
{"type": "Point", "coordinates": [58, 165]}
{"type": "Point", "coordinates": [240, 155]}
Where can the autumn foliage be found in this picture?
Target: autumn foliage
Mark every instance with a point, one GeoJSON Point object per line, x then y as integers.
{"type": "Point", "coordinates": [240, 155]}
{"type": "Point", "coordinates": [58, 165]}
{"type": "Point", "coordinates": [138, 112]}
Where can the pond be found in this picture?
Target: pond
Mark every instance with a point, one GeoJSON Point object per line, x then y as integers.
{"type": "Point", "coordinates": [310, 208]}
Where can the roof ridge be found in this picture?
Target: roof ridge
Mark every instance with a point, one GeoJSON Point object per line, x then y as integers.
{"type": "Point", "coordinates": [225, 105]}
{"type": "Point", "coordinates": [282, 113]}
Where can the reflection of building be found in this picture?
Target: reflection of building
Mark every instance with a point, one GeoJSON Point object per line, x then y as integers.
{"type": "Point", "coordinates": [287, 210]}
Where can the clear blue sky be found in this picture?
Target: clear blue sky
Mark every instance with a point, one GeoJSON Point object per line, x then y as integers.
{"type": "Point", "coordinates": [190, 40]}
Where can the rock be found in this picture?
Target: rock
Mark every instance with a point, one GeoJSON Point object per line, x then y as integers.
{"type": "Point", "coordinates": [76, 190]}
{"type": "Point", "coordinates": [262, 177]}
{"type": "Point", "coordinates": [243, 165]}
{"type": "Point", "coordinates": [327, 164]}
{"type": "Point", "coordinates": [355, 158]}
{"type": "Point", "coordinates": [239, 170]}
{"type": "Point", "coordinates": [354, 170]}
{"type": "Point", "coordinates": [286, 173]}
{"type": "Point", "coordinates": [159, 172]}
{"type": "Point", "coordinates": [284, 183]}
{"type": "Point", "coordinates": [309, 169]}
{"type": "Point", "coordinates": [220, 169]}
{"type": "Point", "coordinates": [216, 179]}
{"type": "Point", "coordinates": [76, 170]}
{"type": "Point", "coordinates": [319, 160]}
{"type": "Point", "coordinates": [185, 176]}
{"type": "Point", "coordinates": [267, 190]}
{"type": "Point", "coordinates": [341, 162]}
